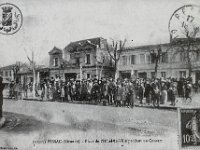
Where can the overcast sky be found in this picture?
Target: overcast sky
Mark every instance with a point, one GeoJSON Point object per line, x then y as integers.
{"type": "Point", "coordinates": [58, 22]}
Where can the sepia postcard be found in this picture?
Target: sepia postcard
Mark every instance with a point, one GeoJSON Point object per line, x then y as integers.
{"type": "Point", "coordinates": [99, 74]}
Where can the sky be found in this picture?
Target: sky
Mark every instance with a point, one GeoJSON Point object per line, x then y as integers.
{"type": "Point", "coordinates": [49, 23]}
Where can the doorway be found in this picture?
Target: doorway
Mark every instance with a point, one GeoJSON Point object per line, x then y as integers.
{"type": "Point", "coordinates": [142, 75]}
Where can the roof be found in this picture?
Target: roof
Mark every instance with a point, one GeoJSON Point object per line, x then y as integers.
{"type": "Point", "coordinates": [9, 67]}
{"type": "Point", "coordinates": [56, 50]}
{"type": "Point", "coordinates": [146, 46]}
{"type": "Point", "coordinates": [174, 42]}
{"type": "Point", "coordinates": [93, 41]}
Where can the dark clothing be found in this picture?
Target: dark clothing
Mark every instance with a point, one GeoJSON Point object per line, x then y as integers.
{"type": "Point", "coordinates": [1, 93]}
{"type": "Point", "coordinates": [1, 97]}
{"type": "Point", "coordinates": [84, 92]}
{"type": "Point", "coordinates": [95, 92]}
{"type": "Point", "coordinates": [140, 94]}
{"type": "Point", "coordinates": [147, 93]}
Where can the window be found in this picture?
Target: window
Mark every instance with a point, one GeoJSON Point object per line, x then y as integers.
{"type": "Point", "coordinates": [153, 58]}
{"type": "Point", "coordinates": [10, 73]}
{"type": "Point", "coordinates": [56, 62]}
{"type": "Point", "coordinates": [182, 57]}
{"type": "Point", "coordinates": [133, 59]}
{"type": "Point", "coordinates": [87, 58]}
{"type": "Point", "coordinates": [164, 57]}
{"type": "Point", "coordinates": [88, 76]}
{"type": "Point", "coordinates": [148, 58]}
{"type": "Point", "coordinates": [78, 61]}
{"type": "Point", "coordinates": [163, 74]}
{"type": "Point", "coordinates": [142, 58]}
{"type": "Point", "coordinates": [182, 74]}
{"type": "Point", "coordinates": [6, 73]}
{"type": "Point", "coordinates": [124, 60]}
{"type": "Point", "coordinates": [152, 74]}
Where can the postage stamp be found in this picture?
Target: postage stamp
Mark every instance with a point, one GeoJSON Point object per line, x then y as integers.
{"type": "Point", "coordinates": [11, 18]}
{"type": "Point", "coordinates": [189, 127]}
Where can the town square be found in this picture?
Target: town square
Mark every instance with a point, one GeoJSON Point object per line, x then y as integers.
{"type": "Point", "coordinates": [99, 74]}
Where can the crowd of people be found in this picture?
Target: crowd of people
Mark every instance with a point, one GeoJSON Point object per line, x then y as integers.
{"type": "Point", "coordinates": [122, 92]}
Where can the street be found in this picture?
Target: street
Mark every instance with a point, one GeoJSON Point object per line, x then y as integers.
{"type": "Point", "coordinates": [32, 122]}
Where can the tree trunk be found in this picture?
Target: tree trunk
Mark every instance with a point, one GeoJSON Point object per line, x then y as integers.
{"type": "Point", "coordinates": [115, 71]}
{"type": "Point", "coordinates": [101, 72]}
{"type": "Point", "coordinates": [156, 67]}
{"type": "Point", "coordinates": [189, 64]}
{"type": "Point", "coordinates": [34, 82]}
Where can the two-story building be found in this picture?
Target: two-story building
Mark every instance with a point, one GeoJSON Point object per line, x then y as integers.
{"type": "Point", "coordinates": [81, 60]}
{"type": "Point", "coordinates": [138, 62]}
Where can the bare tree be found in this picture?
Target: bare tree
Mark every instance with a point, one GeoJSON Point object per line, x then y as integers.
{"type": "Point", "coordinates": [184, 36]}
{"type": "Point", "coordinates": [187, 47]}
{"type": "Point", "coordinates": [15, 69]}
{"type": "Point", "coordinates": [100, 63]}
{"type": "Point", "coordinates": [115, 51]}
{"type": "Point", "coordinates": [155, 56]}
{"type": "Point", "coordinates": [32, 63]}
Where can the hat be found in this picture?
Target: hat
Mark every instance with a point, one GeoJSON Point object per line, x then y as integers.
{"type": "Point", "coordinates": [95, 80]}
{"type": "Point", "coordinates": [163, 80]}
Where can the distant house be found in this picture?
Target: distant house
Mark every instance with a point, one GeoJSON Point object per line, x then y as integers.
{"type": "Point", "coordinates": [81, 59]}
{"type": "Point", "coordinates": [26, 74]}
{"type": "Point", "coordinates": [7, 73]}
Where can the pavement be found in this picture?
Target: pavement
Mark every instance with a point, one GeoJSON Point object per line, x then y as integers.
{"type": "Point", "coordinates": [35, 121]}
{"type": "Point", "coordinates": [180, 103]}
{"type": "Point", "coordinates": [30, 121]}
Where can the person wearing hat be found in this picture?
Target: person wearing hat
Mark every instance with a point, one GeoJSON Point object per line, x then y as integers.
{"type": "Point", "coordinates": [188, 90]}
{"type": "Point", "coordinates": [172, 94]}
{"type": "Point", "coordinates": [100, 82]}
{"type": "Point", "coordinates": [111, 89]}
{"type": "Point", "coordinates": [95, 91]}
{"type": "Point", "coordinates": [11, 89]}
{"type": "Point", "coordinates": [119, 93]}
{"type": "Point", "coordinates": [84, 90]}
{"type": "Point", "coordinates": [163, 99]}
{"type": "Point", "coordinates": [147, 92]}
{"type": "Point", "coordinates": [156, 94]}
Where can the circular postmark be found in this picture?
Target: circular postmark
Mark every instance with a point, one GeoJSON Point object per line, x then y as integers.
{"type": "Point", "coordinates": [11, 18]}
{"type": "Point", "coordinates": [185, 22]}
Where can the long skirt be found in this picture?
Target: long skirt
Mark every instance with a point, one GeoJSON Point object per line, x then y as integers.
{"type": "Point", "coordinates": [163, 97]}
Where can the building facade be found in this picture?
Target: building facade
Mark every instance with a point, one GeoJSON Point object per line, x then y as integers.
{"type": "Point", "coordinates": [139, 62]}
{"type": "Point", "coordinates": [81, 60]}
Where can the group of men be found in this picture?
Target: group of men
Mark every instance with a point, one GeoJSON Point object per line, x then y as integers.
{"type": "Point", "coordinates": [122, 92]}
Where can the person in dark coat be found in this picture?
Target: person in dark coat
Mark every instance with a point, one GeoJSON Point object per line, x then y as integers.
{"type": "Point", "coordinates": [147, 92]}
{"type": "Point", "coordinates": [111, 89]}
{"type": "Point", "coordinates": [140, 92]}
{"type": "Point", "coordinates": [156, 93]}
{"type": "Point", "coordinates": [84, 90]}
{"type": "Point", "coordinates": [95, 91]}
{"type": "Point", "coordinates": [1, 96]}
